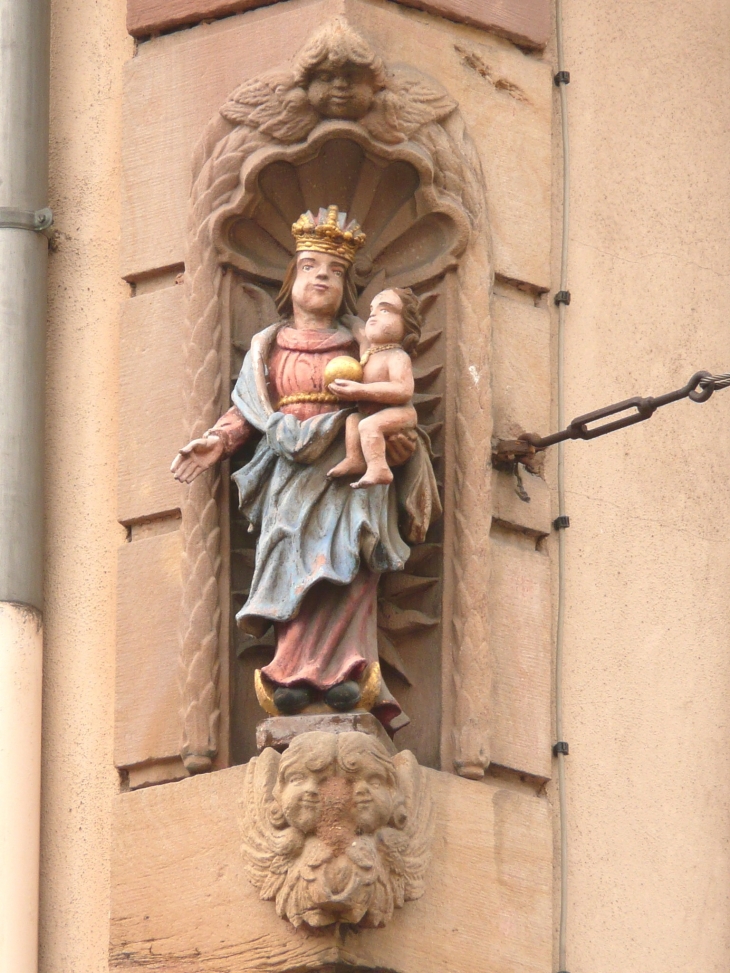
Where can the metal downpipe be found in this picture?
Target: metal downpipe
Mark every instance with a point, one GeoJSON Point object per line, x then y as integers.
{"type": "Point", "coordinates": [24, 91]}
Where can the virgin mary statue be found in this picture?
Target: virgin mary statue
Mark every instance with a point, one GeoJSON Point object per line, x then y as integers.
{"type": "Point", "coordinates": [321, 546]}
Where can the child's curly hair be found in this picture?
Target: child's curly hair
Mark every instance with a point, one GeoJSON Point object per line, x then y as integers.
{"type": "Point", "coordinates": [412, 323]}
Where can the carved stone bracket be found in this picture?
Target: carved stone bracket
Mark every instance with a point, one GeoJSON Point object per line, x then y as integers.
{"type": "Point", "coordinates": [336, 829]}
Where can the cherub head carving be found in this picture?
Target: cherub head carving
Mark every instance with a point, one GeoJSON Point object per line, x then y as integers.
{"type": "Point", "coordinates": [335, 829]}
{"type": "Point", "coordinates": [338, 75]}
{"type": "Point", "coordinates": [377, 799]}
{"type": "Point", "coordinates": [297, 794]}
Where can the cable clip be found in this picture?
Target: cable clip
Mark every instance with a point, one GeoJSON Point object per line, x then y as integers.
{"type": "Point", "coordinates": [562, 297]}
{"type": "Point", "coordinates": [561, 747]}
{"type": "Point", "coordinates": [561, 522]}
{"type": "Point", "coordinates": [562, 77]}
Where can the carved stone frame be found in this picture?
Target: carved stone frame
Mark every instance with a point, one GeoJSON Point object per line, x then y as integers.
{"type": "Point", "coordinates": [221, 194]}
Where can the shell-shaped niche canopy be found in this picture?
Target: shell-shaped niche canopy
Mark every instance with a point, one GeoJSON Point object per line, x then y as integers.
{"type": "Point", "coordinates": [414, 232]}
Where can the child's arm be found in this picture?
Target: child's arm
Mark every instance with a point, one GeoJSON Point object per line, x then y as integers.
{"type": "Point", "coordinates": [398, 390]}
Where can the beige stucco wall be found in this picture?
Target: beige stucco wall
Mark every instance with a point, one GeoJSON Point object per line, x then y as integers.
{"type": "Point", "coordinates": [648, 610]}
{"type": "Point", "coordinates": [648, 553]}
{"type": "Point", "coordinates": [89, 45]}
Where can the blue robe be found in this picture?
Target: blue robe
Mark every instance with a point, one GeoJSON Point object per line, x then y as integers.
{"type": "Point", "coordinates": [310, 528]}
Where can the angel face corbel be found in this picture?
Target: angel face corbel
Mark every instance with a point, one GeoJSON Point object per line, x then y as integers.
{"type": "Point", "coordinates": [340, 72]}
{"type": "Point", "coordinates": [336, 830]}
{"type": "Point", "coordinates": [335, 76]}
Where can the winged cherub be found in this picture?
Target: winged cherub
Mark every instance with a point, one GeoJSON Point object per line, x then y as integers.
{"type": "Point", "coordinates": [335, 829]}
{"type": "Point", "coordinates": [338, 75]}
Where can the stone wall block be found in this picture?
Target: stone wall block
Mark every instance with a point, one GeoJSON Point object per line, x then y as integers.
{"type": "Point", "coordinates": [521, 368]}
{"type": "Point", "coordinates": [519, 595]}
{"type": "Point", "coordinates": [150, 403]}
{"type": "Point", "coordinates": [509, 509]}
{"type": "Point", "coordinates": [181, 901]}
{"type": "Point", "coordinates": [147, 695]}
{"type": "Point", "coordinates": [145, 17]}
{"type": "Point", "coordinates": [526, 22]}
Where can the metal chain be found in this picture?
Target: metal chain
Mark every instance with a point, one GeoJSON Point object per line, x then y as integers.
{"type": "Point", "coordinates": [699, 389]}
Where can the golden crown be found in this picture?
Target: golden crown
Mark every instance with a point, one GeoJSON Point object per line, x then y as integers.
{"type": "Point", "coordinates": [327, 233]}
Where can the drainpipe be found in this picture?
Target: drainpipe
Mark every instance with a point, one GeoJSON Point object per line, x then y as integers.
{"type": "Point", "coordinates": [24, 84]}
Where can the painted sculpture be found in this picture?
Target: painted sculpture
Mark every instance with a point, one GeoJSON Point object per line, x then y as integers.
{"type": "Point", "coordinates": [385, 389]}
{"type": "Point", "coordinates": [336, 830]}
{"type": "Point", "coordinates": [322, 546]}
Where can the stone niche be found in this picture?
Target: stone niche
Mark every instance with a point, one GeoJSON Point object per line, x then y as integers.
{"type": "Point", "coordinates": [458, 207]}
{"type": "Point", "coordinates": [416, 233]}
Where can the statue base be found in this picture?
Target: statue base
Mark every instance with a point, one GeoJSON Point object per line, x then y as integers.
{"type": "Point", "coordinates": [279, 731]}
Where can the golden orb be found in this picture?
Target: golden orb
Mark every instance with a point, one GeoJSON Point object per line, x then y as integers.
{"type": "Point", "coordinates": [342, 367]}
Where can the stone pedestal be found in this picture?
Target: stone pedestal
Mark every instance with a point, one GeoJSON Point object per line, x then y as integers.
{"type": "Point", "coordinates": [279, 731]}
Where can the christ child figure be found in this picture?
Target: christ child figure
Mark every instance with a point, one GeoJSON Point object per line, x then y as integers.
{"type": "Point", "coordinates": [385, 396]}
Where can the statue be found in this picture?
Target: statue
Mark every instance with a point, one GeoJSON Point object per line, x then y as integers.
{"type": "Point", "coordinates": [336, 830]}
{"type": "Point", "coordinates": [385, 400]}
{"type": "Point", "coordinates": [322, 546]}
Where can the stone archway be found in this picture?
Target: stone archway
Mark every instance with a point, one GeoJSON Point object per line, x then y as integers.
{"type": "Point", "coordinates": [409, 173]}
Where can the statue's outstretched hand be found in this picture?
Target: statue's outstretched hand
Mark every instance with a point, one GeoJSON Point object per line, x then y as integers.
{"type": "Point", "coordinates": [197, 457]}
{"type": "Point", "coordinates": [400, 447]}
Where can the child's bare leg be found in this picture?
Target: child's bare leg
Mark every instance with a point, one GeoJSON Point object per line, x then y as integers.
{"type": "Point", "coordinates": [354, 461]}
{"type": "Point", "coordinates": [373, 431]}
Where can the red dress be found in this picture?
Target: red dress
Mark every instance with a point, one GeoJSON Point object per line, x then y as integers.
{"type": "Point", "coordinates": [297, 363]}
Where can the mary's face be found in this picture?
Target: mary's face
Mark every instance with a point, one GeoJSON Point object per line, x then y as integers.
{"type": "Point", "coordinates": [319, 283]}
{"type": "Point", "coordinates": [341, 91]}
